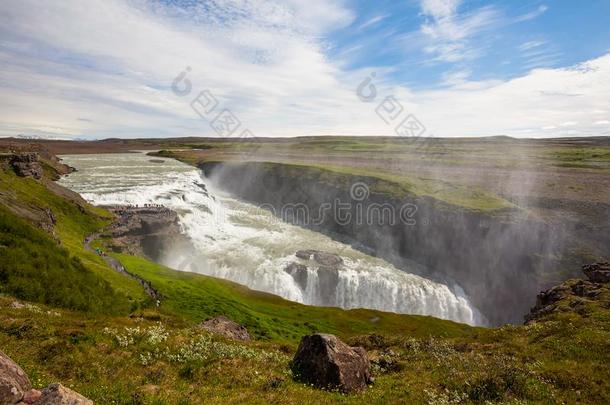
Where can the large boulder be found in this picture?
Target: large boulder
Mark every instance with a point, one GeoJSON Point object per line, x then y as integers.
{"type": "Point", "coordinates": [326, 362]}
{"type": "Point", "coordinates": [597, 272]}
{"type": "Point", "coordinates": [57, 394]}
{"type": "Point", "coordinates": [222, 325]}
{"type": "Point", "coordinates": [14, 383]}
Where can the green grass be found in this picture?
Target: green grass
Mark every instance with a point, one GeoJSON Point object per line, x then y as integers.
{"type": "Point", "coordinates": [34, 268]}
{"type": "Point", "coordinates": [25, 197]}
{"type": "Point", "coordinates": [268, 317]}
{"type": "Point", "coordinates": [588, 158]}
{"type": "Point", "coordinates": [387, 183]}
{"type": "Point", "coordinates": [157, 357]}
{"type": "Point", "coordinates": [480, 152]}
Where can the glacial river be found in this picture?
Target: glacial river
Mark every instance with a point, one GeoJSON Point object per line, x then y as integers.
{"type": "Point", "coordinates": [238, 242]}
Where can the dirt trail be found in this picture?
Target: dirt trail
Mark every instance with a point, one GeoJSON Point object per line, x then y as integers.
{"type": "Point", "coordinates": [116, 265]}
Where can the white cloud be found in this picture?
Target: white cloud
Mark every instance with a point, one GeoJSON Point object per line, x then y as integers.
{"type": "Point", "coordinates": [538, 54]}
{"type": "Point", "coordinates": [526, 46]}
{"type": "Point", "coordinates": [372, 21]}
{"type": "Point", "coordinates": [448, 32]}
{"type": "Point", "coordinates": [456, 77]}
{"type": "Point", "coordinates": [104, 69]}
{"type": "Point", "coordinates": [532, 14]}
{"type": "Point", "coordinates": [554, 100]}
{"type": "Point", "coordinates": [440, 9]}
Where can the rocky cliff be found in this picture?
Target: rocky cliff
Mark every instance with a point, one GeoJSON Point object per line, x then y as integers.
{"type": "Point", "coordinates": [572, 295]}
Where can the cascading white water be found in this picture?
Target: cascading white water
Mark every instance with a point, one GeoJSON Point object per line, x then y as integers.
{"type": "Point", "coordinates": [238, 242]}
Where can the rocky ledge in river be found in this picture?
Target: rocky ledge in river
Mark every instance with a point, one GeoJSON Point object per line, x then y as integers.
{"type": "Point", "coordinates": [323, 266]}
{"type": "Point", "coordinates": [16, 388]}
{"type": "Point", "coordinates": [320, 257]}
{"type": "Point", "coordinates": [571, 294]}
{"type": "Point", "coordinates": [148, 230]}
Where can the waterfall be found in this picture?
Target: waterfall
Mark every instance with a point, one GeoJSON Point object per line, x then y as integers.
{"type": "Point", "coordinates": [237, 241]}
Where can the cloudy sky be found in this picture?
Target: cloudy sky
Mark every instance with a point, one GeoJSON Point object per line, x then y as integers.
{"type": "Point", "coordinates": [110, 68]}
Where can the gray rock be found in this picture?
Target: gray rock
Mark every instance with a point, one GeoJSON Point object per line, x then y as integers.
{"type": "Point", "coordinates": [322, 258]}
{"type": "Point", "coordinates": [327, 259]}
{"type": "Point", "coordinates": [326, 362]}
{"type": "Point", "coordinates": [597, 272]}
{"type": "Point", "coordinates": [57, 394]}
{"type": "Point", "coordinates": [328, 279]}
{"type": "Point", "coordinates": [14, 383]}
{"type": "Point", "coordinates": [304, 254]}
{"type": "Point", "coordinates": [298, 273]}
{"type": "Point", "coordinates": [222, 325]}
{"type": "Point", "coordinates": [27, 165]}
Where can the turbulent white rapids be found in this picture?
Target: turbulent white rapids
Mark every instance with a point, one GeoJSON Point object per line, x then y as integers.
{"type": "Point", "coordinates": [238, 242]}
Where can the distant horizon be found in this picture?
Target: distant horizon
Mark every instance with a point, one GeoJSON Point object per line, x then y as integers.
{"type": "Point", "coordinates": [211, 138]}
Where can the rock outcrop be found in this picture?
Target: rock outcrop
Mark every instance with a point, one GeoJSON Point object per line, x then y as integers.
{"type": "Point", "coordinates": [14, 383]}
{"type": "Point", "coordinates": [323, 267]}
{"type": "Point", "coordinates": [299, 273]}
{"type": "Point", "coordinates": [57, 394]}
{"type": "Point", "coordinates": [597, 272]}
{"type": "Point", "coordinates": [569, 295]}
{"type": "Point", "coordinates": [322, 258]}
{"type": "Point", "coordinates": [222, 325]}
{"type": "Point", "coordinates": [148, 231]}
{"type": "Point", "coordinates": [27, 165]}
{"type": "Point", "coordinates": [326, 362]}
{"type": "Point", "coordinates": [16, 389]}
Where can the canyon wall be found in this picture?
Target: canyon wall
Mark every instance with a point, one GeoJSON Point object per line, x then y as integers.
{"type": "Point", "coordinates": [501, 258]}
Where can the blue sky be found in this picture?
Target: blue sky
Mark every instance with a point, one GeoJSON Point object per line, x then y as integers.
{"type": "Point", "coordinates": [505, 39]}
{"type": "Point", "coordinates": [96, 69]}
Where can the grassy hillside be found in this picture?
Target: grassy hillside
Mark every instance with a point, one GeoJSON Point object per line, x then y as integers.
{"type": "Point", "coordinates": [34, 268]}
{"type": "Point", "coordinates": [158, 357]}
{"type": "Point", "coordinates": [57, 255]}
